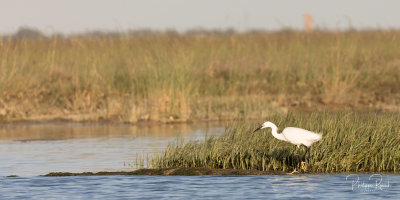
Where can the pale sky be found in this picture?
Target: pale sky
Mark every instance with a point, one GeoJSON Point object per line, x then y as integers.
{"type": "Point", "coordinates": [76, 16]}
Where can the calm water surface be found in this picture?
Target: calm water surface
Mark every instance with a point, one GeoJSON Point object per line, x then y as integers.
{"type": "Point", "coordinates": [37, 149]}
{"type": "Point", "coordinates": [195, 187]}
{"type": "Point", "coordinates": [30, 150]}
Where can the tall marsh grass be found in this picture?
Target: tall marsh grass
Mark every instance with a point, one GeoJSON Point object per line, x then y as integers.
{"type": "Point", "coordinates": [171, 77]}
{"type": "Point", "coordinates": [351, 143]}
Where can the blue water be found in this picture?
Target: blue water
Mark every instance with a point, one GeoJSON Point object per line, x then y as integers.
{"type": "Point", "coordinates": [37, 149]}
{"type": "Point", "coordinates": [31, 150]}
{"type": "Point", "coordinates": [199, 187]}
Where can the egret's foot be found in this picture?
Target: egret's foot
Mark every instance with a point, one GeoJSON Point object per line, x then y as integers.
{"type": "Point", "coordinates": [303, 166]}
{"type": "Point", "coordinates": [294, 171]}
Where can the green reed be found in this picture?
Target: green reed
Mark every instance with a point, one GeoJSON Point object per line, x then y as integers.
{"type": "Point", "coordinates": [366, 142]}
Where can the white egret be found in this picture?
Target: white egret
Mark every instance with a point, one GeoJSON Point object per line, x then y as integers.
{"type": "Point", "coordinates": [297, 136]}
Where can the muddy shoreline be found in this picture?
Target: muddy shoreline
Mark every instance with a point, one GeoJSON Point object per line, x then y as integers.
{"type": "Point", "coordinates": [178, 171]}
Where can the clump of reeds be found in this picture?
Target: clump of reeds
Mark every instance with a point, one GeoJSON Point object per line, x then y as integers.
{"type": "Point", "coordinates": [367, 142]}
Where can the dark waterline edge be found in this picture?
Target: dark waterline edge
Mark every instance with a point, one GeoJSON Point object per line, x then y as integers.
{"type": "Point", "coordinates": [197, 171]}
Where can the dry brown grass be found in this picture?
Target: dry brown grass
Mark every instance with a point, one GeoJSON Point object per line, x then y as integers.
{"type": "Point", "coordinates": [169, 77]}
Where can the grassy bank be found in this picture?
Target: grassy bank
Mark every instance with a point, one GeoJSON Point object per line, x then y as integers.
{"type": "Point", "coordinates": [351, 143]}
{"type": "Point", "coordinates": [170, 77]}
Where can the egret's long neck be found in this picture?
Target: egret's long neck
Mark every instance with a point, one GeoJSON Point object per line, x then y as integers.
{"type": "Point", "coordinates": [276, 134]}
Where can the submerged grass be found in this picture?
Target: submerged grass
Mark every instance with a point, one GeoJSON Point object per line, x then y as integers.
{"type": "Point", "coordinates": [367, 142]}
{"type": "Point", "coordinates": [172, 77]}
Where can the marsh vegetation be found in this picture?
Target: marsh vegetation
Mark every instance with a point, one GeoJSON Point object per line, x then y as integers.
{"type": "Point", "coordinates": [349, 80]}
{"type": "Point", "coordinates": [351, 142]}
{"type": "Point", "coordinates": [169, 77]}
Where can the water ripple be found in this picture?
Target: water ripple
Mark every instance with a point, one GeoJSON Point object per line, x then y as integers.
{"type": "Point", "coordinates": [194, 187]}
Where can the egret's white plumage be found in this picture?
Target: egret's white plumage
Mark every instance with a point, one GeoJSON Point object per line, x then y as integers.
{"type": "Point", "coordinates": [296, 136]}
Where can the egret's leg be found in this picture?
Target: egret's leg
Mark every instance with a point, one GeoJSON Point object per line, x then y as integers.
{"type": "Point", "coordinates": [298, 156]}
{"type": "Point", "coordinates": [303, 163]}
{"type": "Point", "coordinates": [307, 151]}
{"type": "Point", "coordinates": [298, 161]}
{"type": "Point", "coordinates": [305, 154]}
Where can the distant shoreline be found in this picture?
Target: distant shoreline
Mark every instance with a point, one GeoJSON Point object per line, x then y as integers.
{"type": "Point", "coordinates": [172, 78]}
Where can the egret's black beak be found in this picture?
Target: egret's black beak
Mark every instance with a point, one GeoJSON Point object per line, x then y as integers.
{"type": "Point", "coordinates": [257, 129]}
